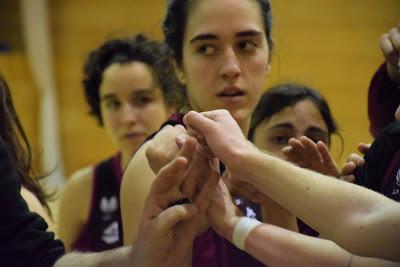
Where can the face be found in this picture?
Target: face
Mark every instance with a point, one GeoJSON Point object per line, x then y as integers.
{"type": "Point", "coordinates": [132, 106]}
{"type": "Point", "coordinates": [302, 119]}
{"type": "Point", "coordinates": [225, 56]}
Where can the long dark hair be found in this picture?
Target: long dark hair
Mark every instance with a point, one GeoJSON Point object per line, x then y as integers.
{"type": "Point", "coordinates": [13, 134]}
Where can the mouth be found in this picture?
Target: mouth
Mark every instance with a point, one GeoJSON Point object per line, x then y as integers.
{"type": "Point", "coordinates": [231, 93]}
{"type": "Point", "coordinates": [134, 135]}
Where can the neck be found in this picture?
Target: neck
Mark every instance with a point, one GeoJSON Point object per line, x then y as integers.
{"type": "Point", "coordinates": [125, 158]}
{"type": "Point", "coordinates": [244, 125]}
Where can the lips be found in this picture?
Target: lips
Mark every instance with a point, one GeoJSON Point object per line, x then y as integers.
{"type": "Point", "coordinates": [134, 135]}
{"type": "Point", "coordinates": [231, 92]}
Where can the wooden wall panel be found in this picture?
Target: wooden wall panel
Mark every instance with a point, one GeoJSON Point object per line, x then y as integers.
{"type": "Point", "coordinates": [332, 45]}
{"type": "Point", "coordinates": [78, 27]}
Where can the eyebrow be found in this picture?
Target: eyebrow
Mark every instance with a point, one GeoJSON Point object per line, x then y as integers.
{"type": "Point", "coordinates": [202, 37]}
{"type": "Point", "coordinates": [285, 125]}
{"type": "Point", "coordinates": [248, 33]}
{"type": "Point", "coordinates": [147, 91]}
{"type": "Point", "coordinates": [210, 36]}
{"type": "Point", "coordinates": [314, 129]}
{"type": "Point", "coordinates": [289, 126]}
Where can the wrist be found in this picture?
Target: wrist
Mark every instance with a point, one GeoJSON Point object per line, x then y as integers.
{"type": "Point", "coordinates": [229, 227]}
{"type": "Point", "coordinates": [393, 72]}
{"type": "Point", "coordinates": [243, 228]}
{"type": "Point", "coordinates": [243, 164]}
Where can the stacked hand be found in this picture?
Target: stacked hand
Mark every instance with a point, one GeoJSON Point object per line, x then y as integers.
{"type": "Point", "coordinates": [316, 156]}
{"type": "Point", "coordinates": [390, 46]}
{"type": "Point", "coordinates": [170, 229]}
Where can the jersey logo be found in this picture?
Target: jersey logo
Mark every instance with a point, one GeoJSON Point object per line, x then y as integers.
{"type": "Point", "coordinates": [396, 189]}
{"type": "Point", "coordinates": [110, 234]}
{"type": "Point", "coordinates": [108, 206]}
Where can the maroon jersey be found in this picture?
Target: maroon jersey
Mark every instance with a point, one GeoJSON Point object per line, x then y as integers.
{"type": "Point", "coordinates": [103, 229]}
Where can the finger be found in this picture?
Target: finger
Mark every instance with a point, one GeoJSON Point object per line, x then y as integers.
{"type": "Point", "coordinates": [297, 146]}
{"type": "Point", "coordinates": [388, 50]}
{"type": "Point", "coordinates": [326, 154]}
{"type": "Point", "coordinates": [290, 154]}
{"type": "Point", "coordinates": [207, 192]}
{"type": "Point", "coordinates": [196, 170]}
{"type": "Point", "coordinates": [328, 160]}
{"type": "Point", "coordinates": [188, 148]}
{"type": "Point", "coordinates": [363, 148]}
{"type": "Point", "coordinates": [348, 178]}
{"type": "Point", "coordinates": [394, 36]}
{"type": "Point", "coordinates": [169, 176]}
{"type": "Point", "coordinates": [200, 139]}
{"type": "Point", "coordinates": [311, 149]}
{"type": "Point", "coordinates": [357, 159]}
{"type": "Point", "coordinates": [348, 168]}
{"type": "Point", "coordinates": [198, 122]}
{"type": "Point", "coordinates": [167, 219]}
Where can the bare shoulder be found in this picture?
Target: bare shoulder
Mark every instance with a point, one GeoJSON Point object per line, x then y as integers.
{"type": "Point", "coordinates": [76, 195]}
{"type": "Point", "coordinates": [32, 201]}
{"type": "Point", "coordinates": [34, 205]}
{"type": "Point", "coordinates": [80, 182]}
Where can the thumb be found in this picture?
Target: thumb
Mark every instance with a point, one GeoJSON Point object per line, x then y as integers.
{"type": "Point", "coordinates": [197, 121]}
{"type": "Point", "coordinates": [167, 219]}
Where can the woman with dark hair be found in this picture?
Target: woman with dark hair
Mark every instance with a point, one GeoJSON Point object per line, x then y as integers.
{"type": "Point", "coordinates": [289, 111]}
{"type": "Point", "coordinates": [25, 241]}
{"type": "Point", "coordinates": [221, 50]}
{"type": "Point", "coordinates": [14, 136]}
{"type": "Point", "coordinates": [126, 90]}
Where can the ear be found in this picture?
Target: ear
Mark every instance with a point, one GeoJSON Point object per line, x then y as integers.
{"type": "Point", "coordinates": [179, 73]}
{"type": "Point", "coordinates": [268, 69]}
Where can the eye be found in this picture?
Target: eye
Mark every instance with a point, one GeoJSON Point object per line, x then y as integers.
{"type": "Point", "coordinates": [206, 49]}
{"type": "Point", "coordinates": [142, 100]}
{"type": "Point", "coordinates": [113, 104]}
{"type": "Point", "coordinates": [280, 140]}
{"type": "Point", "coordinates": [246, 45]}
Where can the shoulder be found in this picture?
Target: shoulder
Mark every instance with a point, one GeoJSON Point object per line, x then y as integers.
{"type": "Point", "coordinates": [34, 205]}
{"type": "Point", "coordinates": [32, 201]}
{"type": "Point", "coordinates": [78, 189]}
{"type": "Point", "coordinates": [81, 180]}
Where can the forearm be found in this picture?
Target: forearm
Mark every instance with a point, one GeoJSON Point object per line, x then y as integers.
{"type": "Point", "coordinates": [323, 202]}
{"type": "Point", "coordinates": [117, 257]}
{"type": "Point", "coordinates": [275, 246]}
{"type": "Point", "coordinates": [135, 186]}
{"type": "Point", "coordinates": [278, 247]}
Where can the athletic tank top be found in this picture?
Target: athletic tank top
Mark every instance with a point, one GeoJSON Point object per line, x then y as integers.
{"type": "Point", "coordinates": [211, 249]}
{"type": "Point", "coordinates": [103, 230]}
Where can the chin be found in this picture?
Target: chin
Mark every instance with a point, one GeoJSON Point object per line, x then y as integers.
{"type": "Point", "coordinates": [242, 117]}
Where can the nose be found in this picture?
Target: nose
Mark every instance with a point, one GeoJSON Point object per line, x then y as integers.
{"type": "Point", "coordinates": [230, 70]}
{"type": "Point", "coordinates": [129, 114]}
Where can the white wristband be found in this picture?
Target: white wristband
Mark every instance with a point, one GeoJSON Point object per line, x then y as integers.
{"type": "Point", "coordinates": [242, 230]}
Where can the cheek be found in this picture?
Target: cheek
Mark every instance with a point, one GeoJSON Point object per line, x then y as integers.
{"type": "Point", "coordinates": [111, 125]}
{"type": "Point", "coordinates": [154, 115]}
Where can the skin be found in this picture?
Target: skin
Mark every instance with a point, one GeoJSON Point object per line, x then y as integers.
{"type": "Point", "coordinates": [224, 49]}
{"type": "Point", "coordinates": [34, 205]}
{"type": "Point", "coordinates": [274, 133]}
{"type": "Point", "coordinates": [132, 108]}
{"type": "Point", "coordinates": [219, 56]}
{"type": "Point", "coordinates": [302, 119]}
{"type": "Point", "coordinates": [166, 233]}
{"type": "Point", "coordinates": [390, 47]}
{"type": "Point", "coordinates": [275, 246]}
{"type": "Point", "coordinates": [372, 219]}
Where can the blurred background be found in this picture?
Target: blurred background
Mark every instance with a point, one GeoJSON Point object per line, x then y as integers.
{"type": "Point", "coordinates": [332, 45]}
